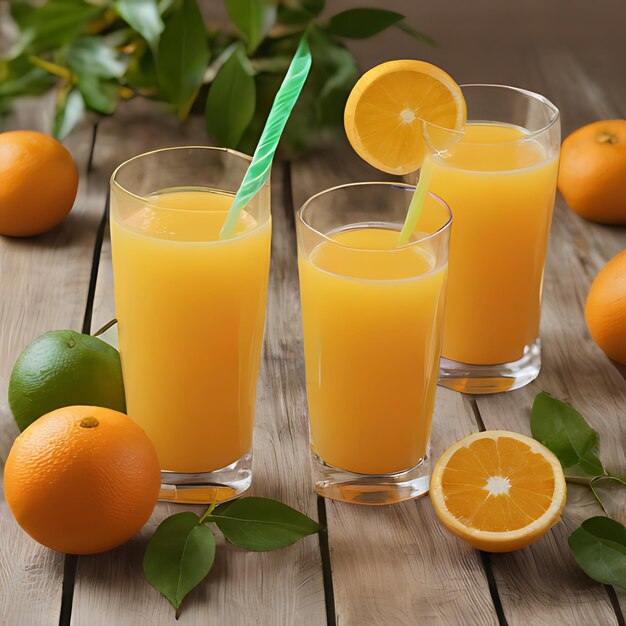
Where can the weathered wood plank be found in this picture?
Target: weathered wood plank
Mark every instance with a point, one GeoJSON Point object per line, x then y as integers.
{"type": "Point", "coordinates": [283, 587]}
{"type": "Point", "coordinates": [44, 283]}
{"type": "Point", "coordinates": [396, 564]}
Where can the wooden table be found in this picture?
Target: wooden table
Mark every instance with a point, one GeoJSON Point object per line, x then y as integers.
{"type": "Point", "coordinates": [389, 565]}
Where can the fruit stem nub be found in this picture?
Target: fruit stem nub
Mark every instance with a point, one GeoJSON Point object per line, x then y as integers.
{"type": "Point", "coordinates": [606, 137]}
{"type": "Point", "coordinates": [89, 422]}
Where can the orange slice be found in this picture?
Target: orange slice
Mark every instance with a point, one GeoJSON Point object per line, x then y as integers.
{"type": "Point", "coordinates": [384, 113]}
{"type": "Point", "coordinates": [498, 490]}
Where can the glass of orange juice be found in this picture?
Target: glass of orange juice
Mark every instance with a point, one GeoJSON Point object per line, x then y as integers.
{"type": "Point", "coordinates": [191, 313]}
{"type": "Point", "coordinates": [372, 315]}
{"type": "Point", "coordinates": [499, 176]}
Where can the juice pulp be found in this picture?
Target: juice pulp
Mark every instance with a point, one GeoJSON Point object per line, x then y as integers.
{"type": "Point", "coordinates": [191, 312]}
{"type": "Point", "coordinates": [501, 198]}
{"type": "Point", "coordinates": [372, 320]}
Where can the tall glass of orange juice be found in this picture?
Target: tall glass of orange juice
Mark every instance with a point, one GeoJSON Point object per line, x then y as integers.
{"type": "Point", "coordinates": [372, 315]}
{"type": "Point", "coordinates": [191, 312]}
{"type": "Point", "coordinates": [499, 176]}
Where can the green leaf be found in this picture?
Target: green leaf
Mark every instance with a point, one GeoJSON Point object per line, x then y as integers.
{"type": "Point", "coordinates": [99, 95]}
{"type": "Point", "coordinates": [183, 56]}
{"type": "Point", "coordinates": [288, 15]}
{"type": "Point", "coordinates": [89, 55]}
{"type": "Point", "coordinates": [362, 23]}
{"type": "Point", "coordinates": [19, 77]}
{"type": "Point", "coordinates": [610, 493]}
{"type": "Point", "coordinates": [20, 11]}
{"type": "Point", "coordinates": [314, 7]}
{"type": "Point", "coordinates": [253, 19]}
{"type": "Point", "coordinates": [142, 71]}
{"type": "Point", "coordinates": [144, 17]}
{"type": "Point", "coordinates": [261, 524]}
{"type": "Point", "coordinates": [165, 6]}
{"type": "Point", "coordinates": [339, 72]}
{"type": "Point", "coordinates": [565, 432]}
{"type": "Point", "coordinates": [231, 101]}
{"type": "Point", "coordinates": [69, 112]}
{"type": "Point", "coordinates": [179, 556]}
{"type": "Point", "coordinates": [54, 24]}
{"type": "Point", "coordinates": [599, 547]}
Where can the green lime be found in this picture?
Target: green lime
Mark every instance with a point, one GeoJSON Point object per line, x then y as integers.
{"type": "Point", "coordinates": [65, 368]}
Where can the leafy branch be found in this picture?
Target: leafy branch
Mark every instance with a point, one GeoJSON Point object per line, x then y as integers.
{"type": "Point", "coordinates": [181, 552]}
{"type": "Point", "coordinates": [95, 53]}
{"type": "Point", "coordinates": [599, 544]}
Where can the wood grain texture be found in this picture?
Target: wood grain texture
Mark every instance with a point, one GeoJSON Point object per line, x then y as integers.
{"type": "Point", "coordinates": [479, 43]}
{"type": "Point", "coordinates": [396, 564]}
{"type": "Point", "coordinates": [390, 565]}
{"type": "Point", "coordinates": [574, 368]}
{"type": "Point", "coordinates": [282, 587]}
{"type": "Point", "coordinates": [43, 285]}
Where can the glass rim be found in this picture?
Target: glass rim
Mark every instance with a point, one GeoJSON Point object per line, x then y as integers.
{"type": "Point", "coordinates": [555, 114]}
{"type": "Point", "coordinates": [144, 199]}
{"type": "Point", "coordinates": [392, 184]}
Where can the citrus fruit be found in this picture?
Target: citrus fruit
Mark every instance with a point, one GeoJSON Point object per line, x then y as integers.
{"type": "Point", "coordinates": [82, 479]}
{"type": "Point", "coordinates": [592, 172]}
{"type": "Point", "coordinates": [63, 368]}
{"type": "Point", "coordinates": [498, 490]}
{"type": "Point", "coordinates": [605, 310]}
{"type": "Point", "coordinates": [384, 113]}
{"type": "Point", "coordinates": [39, 183]}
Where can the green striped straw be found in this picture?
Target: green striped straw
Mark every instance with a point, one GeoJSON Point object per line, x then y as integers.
{"type": "Point", "coordinates": [261, 165]}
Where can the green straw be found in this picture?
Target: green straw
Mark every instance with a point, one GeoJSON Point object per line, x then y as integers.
{"type": "Point", "coordinates": [416, 206]}
{"type": "Point", "coordinates": [261, 165]}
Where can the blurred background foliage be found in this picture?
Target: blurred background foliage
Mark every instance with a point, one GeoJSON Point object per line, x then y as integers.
{"type": "Point", "coordinates": [94, 53]}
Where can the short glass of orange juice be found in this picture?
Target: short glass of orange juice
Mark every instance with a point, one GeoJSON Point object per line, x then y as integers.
{"type": "Point", "coordinates": [499, 176]}
{"type": "Point", "coordinates": [372, 315]}
{"type": "Point", "coordinates": [191, 313]}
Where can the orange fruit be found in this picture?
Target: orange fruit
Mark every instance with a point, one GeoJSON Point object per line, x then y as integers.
{"type": "Point", "coordinates": [605, 310]}
{"type": "Point", "coordinates": [82, 479]}
{"type": "Point", "coordinates": [384, 113]}
{"type": "Point", "coordinates": [498, 490]}
{"type": "Point", "coordinates": [592, 173]}
{"type": "Point", "coordinates": [38, 183]}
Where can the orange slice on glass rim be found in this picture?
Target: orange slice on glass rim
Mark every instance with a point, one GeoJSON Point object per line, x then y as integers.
{"type": "Point", "coordinates": [498, 490]}
{"type": "Point", "coordinates": [385, 111]}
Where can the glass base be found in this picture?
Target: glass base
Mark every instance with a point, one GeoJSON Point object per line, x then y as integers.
{"type": "Point", "coordinates": [370, 489]}
{"type": "Point", "coordinates": [221, 485]}
{"type": "Point", "coordinates": [481, 379]}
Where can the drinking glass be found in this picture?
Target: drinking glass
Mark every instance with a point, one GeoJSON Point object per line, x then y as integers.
{"type": "Point", "coordinates": [372, 315]}
{"type": "Point", "coordinates": [499, 176]}
{"type": "Point", "coordinates": [191, 313]}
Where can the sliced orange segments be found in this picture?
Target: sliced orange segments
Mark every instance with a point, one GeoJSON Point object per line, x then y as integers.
{"type": "Point", "coordinates": [498, 490]}
{"type": "Point", "coordinates": [384, 113]}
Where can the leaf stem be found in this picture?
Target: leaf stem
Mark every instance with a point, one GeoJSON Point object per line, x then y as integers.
{"type": "Point", "coordinates": [208, 512]}
{"type": "Point", "coordinates": [409, 30]}
{"type": "Point", "coordinates": [52, 68]}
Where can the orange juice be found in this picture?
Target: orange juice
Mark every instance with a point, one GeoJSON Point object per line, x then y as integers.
{"type": "Point", "coordinates": [191, 312]}
{"type": "Point", "coordinates": [372, 318]}
{"type": "Point", "coordinates": [501, 197]}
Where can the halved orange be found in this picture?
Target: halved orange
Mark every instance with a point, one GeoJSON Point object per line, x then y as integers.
{"type": "Point", "coordinates": [385, 111]}
{"type": "Point", "coordinates": [498, 490]}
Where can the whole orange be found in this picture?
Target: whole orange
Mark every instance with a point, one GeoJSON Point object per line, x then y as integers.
{"type": "Point", "coordinates": [605, 310]}
{"type": "Point", "coordinates": [82, 479]}
{"type": "Point", "coordinates": [38, 183]}
{"type": "Point", "coordinates": [592, 173]}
